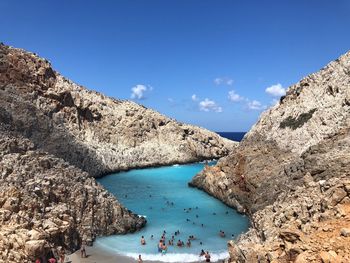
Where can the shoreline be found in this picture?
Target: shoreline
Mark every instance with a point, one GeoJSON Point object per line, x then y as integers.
{"type": "Point", "coordinates": [98, 255]}
{"type": "Point", "coordinates": [156, 165]}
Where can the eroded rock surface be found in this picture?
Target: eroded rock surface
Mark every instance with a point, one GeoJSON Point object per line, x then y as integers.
{"type": "Point", "coordinates": [89, 130]}
{"type": "Point", "coordinates": [291, 174]}
{"type": "Point", "coordinates": [46, 203]}
{"type": "Point", "coordinates": [55, 136]}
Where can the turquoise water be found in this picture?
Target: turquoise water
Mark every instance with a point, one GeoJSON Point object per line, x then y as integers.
{"type": "Point", "coordinates": [164, 198]}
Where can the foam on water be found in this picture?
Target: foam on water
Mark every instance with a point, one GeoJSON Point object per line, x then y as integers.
{"type": "Point", "coordinates": [164, 198]}
{"type": "Point", "coordinates": [178, 257]}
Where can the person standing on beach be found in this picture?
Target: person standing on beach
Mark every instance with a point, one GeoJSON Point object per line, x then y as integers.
{"type": "Point", "coordinates": [140, 259]}
{"type": "Point", "coordinates": [62, 256]}
{"type": "Point", "coordinates": [83, 251]}
{"type": "Point", "coordinates": [207, 257]}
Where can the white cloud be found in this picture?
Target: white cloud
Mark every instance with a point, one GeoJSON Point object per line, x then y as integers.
{"type": "Point", "coordinates": [255, 105]}
{"type": "Point", "coordinates": [138, 92]}
{"type": "Point", "coordinates": [194, 97]}
{"type": "Point", "coordinates": [209, 105]}
{"type": "Point", "coordinates": [227, 81]}
{"type": "Point", "coordinates": [233, 96]}
{"type": "Point", "coordinates": [276, 90]}
{"type": "Point", "coordinates": [218, 81]}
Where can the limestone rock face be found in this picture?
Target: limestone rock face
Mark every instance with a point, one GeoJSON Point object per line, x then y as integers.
{"type": "Point", "coordinates": [55, 136]}
{"type": "Point", "coordinates": [46, 203]}
{"type": "Point", "coordinates": [290, 173]}
{"type": "Point", "coordinates": [89, 130]}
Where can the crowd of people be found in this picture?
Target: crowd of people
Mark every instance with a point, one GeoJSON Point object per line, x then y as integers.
{"type": "Point", "coordinates": [162, 247]}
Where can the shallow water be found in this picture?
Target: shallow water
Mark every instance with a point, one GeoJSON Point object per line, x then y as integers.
{"type": "Point", "coordinates": [151, 192]}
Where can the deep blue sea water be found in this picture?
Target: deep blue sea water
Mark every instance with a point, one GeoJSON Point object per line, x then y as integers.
{"type": "Point", "coordinates": [234, 136]}
{"type": "Point", "coordinates": [151, 192]}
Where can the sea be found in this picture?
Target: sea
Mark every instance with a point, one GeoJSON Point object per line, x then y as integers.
{"type": "Point", "coordinates": [163, 197]}
{"type": "Point", "coordinates": [234, 136]}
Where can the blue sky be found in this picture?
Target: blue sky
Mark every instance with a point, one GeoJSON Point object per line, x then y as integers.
{"type": "Point", "coordinates": [161, 53]}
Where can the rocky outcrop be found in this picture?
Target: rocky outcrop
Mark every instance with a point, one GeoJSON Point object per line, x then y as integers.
{"type": "Point", "coordinates": [46, 203]}
{"type": "Point", "coordinates": [100, 134]}
{"type": "Point", "coordinates": [291, 173]}
{"type": "Point", "coordinates": [55, 136]}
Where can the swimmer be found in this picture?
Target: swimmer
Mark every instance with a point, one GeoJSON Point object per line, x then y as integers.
{"type": "Point", "coordinates": [222, 233]}
{"type": "Point", "coordinates": [160, 245]}
{"type": "Point", "coordinates": [202, 253]}
{"type": "Point", "coordinates": [197, 216]}
{"type": "Point", "coordinates": [188, 243]}
{"type": "Point", "coordinates": [143, 241]}
{"type": "Point", "coordinates": [151, 236]}
{"type": "Point", "coordinates": [214, 214]}
{"type": "Point", "coordinates": [202, 225]}
{"type": "Point", "coordinates": [207, 257]}
{"type": "Point", "coordinates": [164, 249]}
{"type": "Point", "coordinates": [179, 243]}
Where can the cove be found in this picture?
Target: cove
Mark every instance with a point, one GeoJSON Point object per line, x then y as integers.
{"type": "Point", "coordinates": [164, 198]}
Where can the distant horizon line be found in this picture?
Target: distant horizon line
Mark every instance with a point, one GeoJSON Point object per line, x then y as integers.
{"type": "Point", "coordinates": [231, 132]}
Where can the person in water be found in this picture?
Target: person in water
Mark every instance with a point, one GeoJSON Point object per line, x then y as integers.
{"type": "Point", "coordinates": [160, 245]}
{"type": "Point", "coordinates": [164, 249]}
{"type": "Point", "coordinates": [202, 253]}
{"type": "Point", "coordinates": [222, 234]}
{"type": "Point", "coordinates": [140, 259]}
{"type": "Point", "coordinates": [188, 243]}
{"type": "Point", "coordinates": [143, 241]}
{"type": "Point", "coordinates": [179, 243]}
{"type": "Point", "coordinates": [151, 236]}
{"type": "Point", "coordinates": [207, 257]}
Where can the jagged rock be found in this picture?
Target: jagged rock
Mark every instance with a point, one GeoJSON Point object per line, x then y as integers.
{"type": "Point", "coordinates": [291, 171]}
{"type": "Point", "coordinates": [35, 248]}
{"type": "Point", "coordinates": [100, 134]}
{"type": "Point", "coordinates": [345, 232]}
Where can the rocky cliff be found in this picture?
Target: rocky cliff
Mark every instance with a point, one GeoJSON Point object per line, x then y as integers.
{"type": "Point", "coordinates": [89, 130]}
{"type": "Point", "coordinates": [55, 136]}
{"type": "Point", "coordinates": [291, 174]}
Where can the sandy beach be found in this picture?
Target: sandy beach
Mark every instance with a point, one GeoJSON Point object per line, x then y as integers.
{"type": "Point", "coordinates": [95, 255]}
